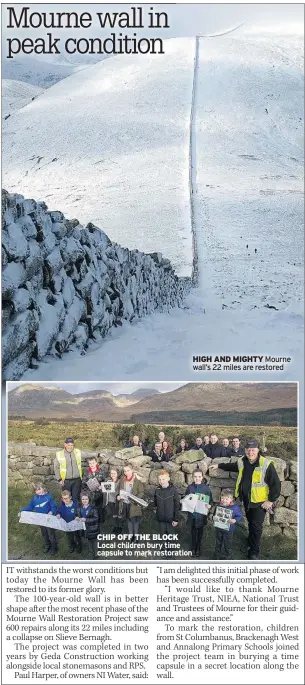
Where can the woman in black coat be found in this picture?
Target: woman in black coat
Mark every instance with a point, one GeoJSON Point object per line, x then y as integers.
{"type": "Point", "coordinates": [166, 451]}
{"type": "Point", "coordinates": [183, 447]}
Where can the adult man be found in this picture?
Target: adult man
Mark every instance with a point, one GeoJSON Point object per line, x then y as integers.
{"type": "Point", "coordinates": [68, 468]}
{"type": "Point", "coordinates": [214, 449]}
{"type": "Point", "coordinates": [156, 453]}
{"type": "Point", "coordinates": [258, 487]}
{"type": "Point", "coordinates": [236, 449]}
{"type": "Point", "coordinates": [161, 437]}
{"type": "Point", "coordinates": [226, 447]}
{"type": "Point", "coordinates": [136, 442]}
{"type": "Point", "coordinates": [198, 445]}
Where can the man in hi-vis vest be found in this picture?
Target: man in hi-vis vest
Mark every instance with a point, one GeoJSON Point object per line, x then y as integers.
{"type": "Point", "coordinates": [68, 468]}
{"type": "Point", "coordinates": [258, 487]}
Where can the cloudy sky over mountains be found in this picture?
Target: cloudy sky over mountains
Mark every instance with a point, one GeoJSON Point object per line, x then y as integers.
{"type": "Point", "coordinates": [114, 388]}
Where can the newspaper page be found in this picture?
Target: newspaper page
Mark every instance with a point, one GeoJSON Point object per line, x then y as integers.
{"type": "Point", "coordinates": [152, 343]}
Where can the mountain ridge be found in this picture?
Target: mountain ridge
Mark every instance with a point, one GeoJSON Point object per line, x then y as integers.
{"type": "Point", "coordinates": [200, 399]}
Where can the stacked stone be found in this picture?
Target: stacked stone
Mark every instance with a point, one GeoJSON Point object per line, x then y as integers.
{"type": "Point", "coordinates": [286, 514]}
{"type": "Point", "coordinates": [29, 463]}
{"type": "Point", "coordinates": [64, 285]}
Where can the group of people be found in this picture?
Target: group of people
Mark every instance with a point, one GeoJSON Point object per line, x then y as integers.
{"type": "Point", "coordinates": [257, 488]}
{"type": "Point", "coordinates": [80, 502]}
{"type": "Point", "coordinates": [209, 444]}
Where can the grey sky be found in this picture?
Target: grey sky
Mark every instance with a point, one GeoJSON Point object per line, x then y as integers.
{"type": "Point", "coordinates": [115, 388]}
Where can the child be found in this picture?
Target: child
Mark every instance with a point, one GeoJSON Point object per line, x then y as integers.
{"type": "Point", "coordinates": [67, 510]}
{"type": "Point", "coordinates": [167, 502]}
{"type": "Point", "coordinates": [198, 521]}
{"type": "Point", "coordinates": [110, 503]}
{"type": "Point", "coordinates": [100, 473]}
{"type": "Point", "coordinates": [90, 515]}
{"type": "Point", "coordinates": [43, 503]}
{"type": "Point", "coordinates": [225, 537]}
{"type": "Point", "coordinates": [130, 510]}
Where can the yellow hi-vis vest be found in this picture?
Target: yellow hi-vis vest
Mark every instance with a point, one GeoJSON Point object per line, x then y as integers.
{"type": "Point", "coordinates": [60, 456]}
{"type": "Point", "coordinates": [259, 487]}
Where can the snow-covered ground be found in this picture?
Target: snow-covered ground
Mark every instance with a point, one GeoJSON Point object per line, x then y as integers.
{"type": "Point", "coordinates": [161, 346]}
{"type": "Point", "coordinates": [247, 181]}
{"type": "Point", "coordinates": [249, 172]}
{"type": "Point", "coordinates": [42, 71]}
{"type": "Point", "coordinates": [17, 94]}
{"type": "Point", "coordinates": [110, 145]}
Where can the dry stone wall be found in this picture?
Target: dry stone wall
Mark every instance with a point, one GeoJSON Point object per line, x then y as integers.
{"type": "Point", "coordinates": [28, 462]}
{"type": "Point", "coordinates": [64, 284]}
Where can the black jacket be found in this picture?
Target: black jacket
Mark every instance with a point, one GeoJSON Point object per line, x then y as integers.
{"type": "Point", "coordinates": [166, 456]}
{"type": "Point", "coordinates": [239, 452]}
{"type": "Point", "coordinates": [195, 447]}
{"type": "Point", "coordinates": [92, 521]}
{"type": "Point", "coordinates": [214, 451]}
{"type": "Point", "coordinates": [271, 479]}
{"type": "Point", "coordinates": [101, 475]}
{"type": "Point", "coordinates": [179, 449]}
{"type": "Point", "coordinates": [155, 457]}
{"type": "Point", "coordinates": [167, 501]}
{"type": "Point", "coordinates": [227, 451]}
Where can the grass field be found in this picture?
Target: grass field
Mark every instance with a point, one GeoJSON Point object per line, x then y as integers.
{"type": "Point", "coordinates": [25, 541]}
{"type": "Point", "coordinates": [95, 435]}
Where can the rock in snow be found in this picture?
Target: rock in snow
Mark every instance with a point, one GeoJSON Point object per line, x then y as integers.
{"type": "Point", "coordinates": [64, 284]}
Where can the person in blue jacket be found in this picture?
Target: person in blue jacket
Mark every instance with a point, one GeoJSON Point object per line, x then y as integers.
{"type": "Point", "coordinates": [43, 503]}
{"type": "Point", "coordinates": [224, 538]}
{"type": "Point", "coordinates": [198, 521]}
{"type": "Point", "coordinates": [68, 510]}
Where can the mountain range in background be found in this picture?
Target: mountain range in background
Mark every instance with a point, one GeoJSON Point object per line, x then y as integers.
{"type": "Point", "coordinates": [191, 404]}
{"type": "Point", "coordinates": [45, 70]}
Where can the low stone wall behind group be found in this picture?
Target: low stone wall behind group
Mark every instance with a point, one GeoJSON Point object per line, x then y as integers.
{"type": "Point", "coordinates": [64, 285]}
{"type": "Point", "coordinates": [28, 462]}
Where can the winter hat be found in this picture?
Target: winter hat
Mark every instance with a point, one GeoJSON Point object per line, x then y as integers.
{"type": "Point", "coordinates": [251, 443]}
{"type": "Point", "coordinates": [69, 441]}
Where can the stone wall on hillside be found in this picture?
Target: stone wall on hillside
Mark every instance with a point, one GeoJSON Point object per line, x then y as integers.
{"type": "Point", "coordinates": [64, 284]}
{"type": "Point", "coordinates": [28, 463]}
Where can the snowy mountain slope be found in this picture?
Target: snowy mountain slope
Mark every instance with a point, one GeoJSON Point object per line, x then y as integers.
{"type": "Point", "coordinates": [110, 145]}
{"type": "Point", "coordinates": [247, 191]}
{"type": "Point", "coordinates": [249, 172]}
{"type": "Point", "coordinates": [38, 70]}
{"type": "Point", "coordinates": [17, 94]}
